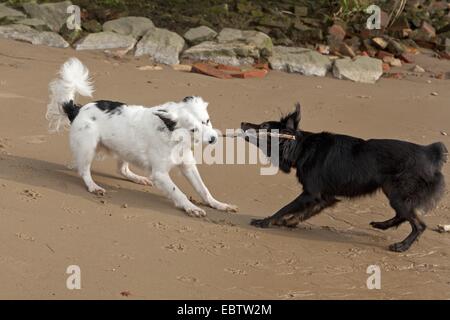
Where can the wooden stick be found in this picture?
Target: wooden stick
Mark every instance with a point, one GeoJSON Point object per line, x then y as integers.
{"type": "Point", "coordinates": [270, 134]}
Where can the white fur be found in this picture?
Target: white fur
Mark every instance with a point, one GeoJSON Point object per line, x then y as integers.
{"type": "Point", "coordinates": [74, 78]}
{"type": "Point", "coordinates": [136, 135]}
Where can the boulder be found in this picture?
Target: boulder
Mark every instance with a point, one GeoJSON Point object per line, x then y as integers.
{"type": "Point", "coordinates": [200, 34]}
{"type": "Point", "coordinates": [260, 41]}
{"type": "Point", "coordinates": [105, 40]}
{"type": "Point", "coordinates": [162, 45]}
{"type": "Point", "coordinates": [28, 34]}
{"type": "Point", "coordinates": [233, 54]}
{"type": "Point", "coordinates": [53, 14]}
{"type": "Point", "coordinates": [301, 60]}
{"type": "Point", "coordinates": [37, 24]}
{"type": "Point", "coordinates": [362, 69]}
{"type": "Point", "coordinates": [129, 26]}
{"type": "Point", "coordinates": [7, 12]}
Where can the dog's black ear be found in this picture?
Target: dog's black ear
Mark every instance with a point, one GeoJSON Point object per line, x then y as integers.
{"type": "Point", "coordinates": [168, 118]}
{"type": "Point", "coordinates": [292, 120]}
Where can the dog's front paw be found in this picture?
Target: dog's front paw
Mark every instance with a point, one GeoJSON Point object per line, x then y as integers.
{"type": "Point", "coordinates": [144, 181]}
{"type": "Point", "coordinates": [99, 191]}
{"type": "Point", "coordinates": [261, 223]}
{"type": "Point", "coordinates": [224, 207]}
{"type": "Point", "coordinates": [194, 211]}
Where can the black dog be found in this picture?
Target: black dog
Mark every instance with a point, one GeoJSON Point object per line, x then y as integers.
{"type": "Point", "coordinates": [331, 165]}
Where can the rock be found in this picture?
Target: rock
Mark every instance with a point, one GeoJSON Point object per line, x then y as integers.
{"type": "Point", "coordinates": [28, 34]}
{"type": "Point", "coordinates": [337, 31]}
{"type": "Point", "coordinates": [260, 41]}
{"type": "Point", "coordinates": [233, 54]}
{"type": "Point", "coordinates": [53, 14]}
{"type": "Point", "coordinates": [362, 69]}
{"type": "Point", "coordinates": [105, 40]}
{"type": "Point", "coordinates": [199, 34]}
{"type": "Point", "coordinates": [37, 24]}
{"type": "Point", "coordinates": [280, 38]}
{"type": "Point", "coordinates": [380, 42]}
{"type": "Point", "coordinates": [396, 47]}
{"type": "Point", "coordinates": [394, 62]}
{"type": "Point", "coordinates": [434, 93]}
{"type": "Point", "coordinates": [301, 60]}
{"type": "Point", "coordinates": [129, 26]}
{"type": "Point", "coordinates": [346, 50]}
{"type": "Point", "coordinates": [92, 26]}
{"type": "Point", "coordinates": [162, 45]}
{"type": "Point", "coordinates": [418, 69]}
{"type": "Point", "coordinates": [7, 12]}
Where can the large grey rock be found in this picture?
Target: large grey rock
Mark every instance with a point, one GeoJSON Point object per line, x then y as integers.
{"type": "Point", "coordinates": [28, 34]}
{"type": "Point", "coordinates": [301, 60]}
{"type": "Point", "coordinates": [233, 53]}
{"type": "Point", "coordinates": [261, 41]}
{"type": "Point", "coordinates": [37, 24]}
{"type": "Point", "coordinates": [7, 12]}
{"type": "Point", "coordinates": [129, 26]}
{"type": "Point", "coordinates": [362, 69]}
{"type": "Point", "coordinates": [162, 45]}
{"type": "Point", "coordinates": [200, 34]}
{"type": "Point", "coordinates": [105, 40]}
{"type": "Point", "coordinates": [54, 14]}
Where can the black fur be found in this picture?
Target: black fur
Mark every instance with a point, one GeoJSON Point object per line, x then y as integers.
{"type": "Point", "coordinates": [71, 110]}
{"type": "Point", "coordinates": [331, 165]}
{"type": "Point", "coordinates": [170, 124]}
{"type": "Point", "coordinates": [186, 99]}
{"type": "Point", "coordinates": [111, 107]}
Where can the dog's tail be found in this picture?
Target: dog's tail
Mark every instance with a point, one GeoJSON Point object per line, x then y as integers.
{"type": "Point", "coordinates": [73, 79]}
{"type": "Point", "coordinates": [438, 153]}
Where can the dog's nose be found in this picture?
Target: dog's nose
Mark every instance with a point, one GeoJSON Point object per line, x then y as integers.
{"type": "Point", "coordinates": [212, 140]}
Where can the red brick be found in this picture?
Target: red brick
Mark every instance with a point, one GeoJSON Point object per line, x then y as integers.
{"type": "Point", "coordinates": [383, 54]}
{"type": "Point", "coordinates": [255, 73]}
{"type": "Point", "coordinates": [209, 70]}
{"type": "Point", "coordinates": [228, 68]}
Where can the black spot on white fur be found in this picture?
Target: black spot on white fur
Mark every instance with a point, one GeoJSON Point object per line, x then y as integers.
{"type": "Point", "coordinates": [111, 107]}
{"type": "Point", "coordinates": [71, 109]}
{"type": "Point", "coordinates": [170, 124]}
{"type": "Point", "coordinates": [186, 99]}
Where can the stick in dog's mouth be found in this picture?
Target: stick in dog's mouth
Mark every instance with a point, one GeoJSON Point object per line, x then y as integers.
{"type": "Point", "coordinates": [260, 134]}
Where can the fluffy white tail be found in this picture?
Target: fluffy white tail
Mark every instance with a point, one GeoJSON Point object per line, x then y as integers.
{"type": "Point", "coordinates": [73, 79]}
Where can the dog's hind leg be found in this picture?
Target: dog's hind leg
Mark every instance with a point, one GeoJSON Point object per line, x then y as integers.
{"type": "Point", "coordinates": [417, 226]}
{"type": "Point", "coordinates": [125, 171]}
{"type": "Point", "coordinates": [302, 208]}
{"type": "Point", "coordinates": [383, 225]}
{"type": "Point", "coordinates": [83, 142]}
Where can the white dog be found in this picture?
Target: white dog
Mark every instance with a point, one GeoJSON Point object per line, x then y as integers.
{"type": "Point", "coordinates": [145, 137]}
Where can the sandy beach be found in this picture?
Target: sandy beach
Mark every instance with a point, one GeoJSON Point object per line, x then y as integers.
{"type": "Point", "coordinates": [134, 244]}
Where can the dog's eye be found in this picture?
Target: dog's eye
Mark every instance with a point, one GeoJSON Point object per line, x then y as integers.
{"type": "Point", "coordinates": [194, 130]}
